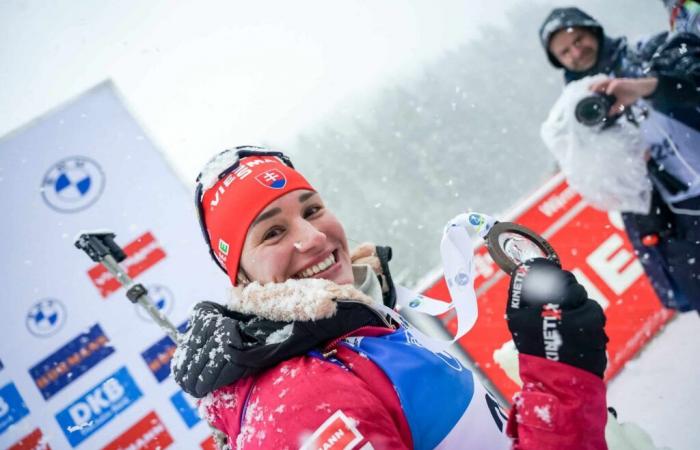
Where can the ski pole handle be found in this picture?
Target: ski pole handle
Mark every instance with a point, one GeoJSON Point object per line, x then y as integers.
{"type": "Point", "coordinates": [98, 244]}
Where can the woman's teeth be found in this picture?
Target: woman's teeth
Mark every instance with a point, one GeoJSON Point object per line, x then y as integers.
{"type": "Point", "coordinates": [320, 267]}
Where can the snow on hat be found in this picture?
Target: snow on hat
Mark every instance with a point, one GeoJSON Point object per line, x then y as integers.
{"type": "Point", "coordinates": [230, 203]}
{"type": "Point", "coordinates": [561, 18]}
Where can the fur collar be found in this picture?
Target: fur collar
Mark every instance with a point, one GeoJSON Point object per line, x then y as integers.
{"type": "Point", "coordinates": [294, 300]}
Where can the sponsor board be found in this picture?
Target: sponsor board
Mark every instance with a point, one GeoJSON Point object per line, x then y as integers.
{"type": "Point", "coordinates": [72, 184]}
{"type": "Point", "coordinates": [45, 317]}
{"type": "Point", "coordinates": [12, 407]}
{"type": "Point", "coordinates": [186, 406]}
{"type": "Point", "coordinates": [98, 406]}
{"type": "Point", "coordinates": [592, 245]}
{"type": "Point", "coordinates": [73, 168]}
{"type": "Point", "coordinates": [32, 441]}
{"type": "Point", "coordinates": [158, 355]}
{"type": "Point", "coordinates": [69, 362]}
{"type": "Point", "coordinates": [148, 433]}
{"type": "Point", "coordinates": [142, 254]}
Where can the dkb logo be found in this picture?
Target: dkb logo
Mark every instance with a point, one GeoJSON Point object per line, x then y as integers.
{"type": "Point", "coordinates": [98, 406]}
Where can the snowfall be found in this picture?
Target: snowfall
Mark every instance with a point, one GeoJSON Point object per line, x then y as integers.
{"type": "Point", "coordinates": [436, 110]}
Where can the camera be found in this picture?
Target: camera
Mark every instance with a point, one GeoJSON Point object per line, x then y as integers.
{"type": "Point", "coordinates": [593, 110]}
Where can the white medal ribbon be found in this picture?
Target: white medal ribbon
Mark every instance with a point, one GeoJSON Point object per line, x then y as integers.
{"type": "Point", "coordinates": [457, 251]}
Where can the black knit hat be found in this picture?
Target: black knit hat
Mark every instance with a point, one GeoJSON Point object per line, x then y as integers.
{"type": "Point", "coordinates": [561, 18]}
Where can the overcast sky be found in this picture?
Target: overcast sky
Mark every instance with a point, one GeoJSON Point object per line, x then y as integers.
{"type": "Point", "coordinates": [201, 76]}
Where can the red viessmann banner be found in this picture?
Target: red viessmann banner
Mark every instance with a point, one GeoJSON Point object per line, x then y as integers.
{"type": "Point", "coordinates": [590, 243]}
{"type": "Point", "coordinates": [144, 252]}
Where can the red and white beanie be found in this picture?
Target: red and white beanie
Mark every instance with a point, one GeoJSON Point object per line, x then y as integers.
{"type": "Point", "coordinates": [231, 204]}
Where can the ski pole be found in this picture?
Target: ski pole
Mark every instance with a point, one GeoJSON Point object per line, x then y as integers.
{"type": "Point", "coordinates": [101, 248]}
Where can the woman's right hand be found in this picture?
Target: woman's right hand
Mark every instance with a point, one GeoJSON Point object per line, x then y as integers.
{"type": "Point", "coordinates": [200, 363]}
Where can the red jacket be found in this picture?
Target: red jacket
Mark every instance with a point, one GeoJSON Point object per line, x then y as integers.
{"type": "Point", "coordinates": [345, 401]}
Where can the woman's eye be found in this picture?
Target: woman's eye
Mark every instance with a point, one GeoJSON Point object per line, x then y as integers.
{"type": "Point", "coordinates": [312, 211]}
{"type": "Point", "coordinates": [272, 233]}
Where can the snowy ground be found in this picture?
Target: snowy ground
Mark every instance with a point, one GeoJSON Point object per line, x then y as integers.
{"type": "Point", "coordinates": [660, 389]}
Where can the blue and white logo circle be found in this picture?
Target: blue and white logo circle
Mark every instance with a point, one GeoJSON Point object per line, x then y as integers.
{"type": "Point", "coordinates": [462, 279]}
{"type": "Point", "coordinates": [162, 297]}
{"type": "Point", "coordinates": [73, 184]}
{"type": "Point", "coordinates": [46, 317]}
{"type": "Point", "coordinates": [476, 219]}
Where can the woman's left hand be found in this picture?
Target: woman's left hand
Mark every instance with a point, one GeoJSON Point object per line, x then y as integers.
{"type": "Point", "coordinates": [366, 253]}
{"type": "Point", "coordinates": [550, 315]}
{"type": "Point", "coordinates": [377, 257]}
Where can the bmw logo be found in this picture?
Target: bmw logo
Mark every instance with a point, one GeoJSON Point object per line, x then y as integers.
{"type": "Point", "coordinates": [162, 297]}
{"type": "Point", "coordinates": [46, 317]}
{"type": "Point", "coordinates": [73, 184]}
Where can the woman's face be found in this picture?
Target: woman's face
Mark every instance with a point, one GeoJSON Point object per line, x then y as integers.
{"type": "Point", "coordinates": [295, 236]}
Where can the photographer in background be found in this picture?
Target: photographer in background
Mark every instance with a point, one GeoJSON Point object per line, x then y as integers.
{"type": "Point", "coordinates": [661, 73]}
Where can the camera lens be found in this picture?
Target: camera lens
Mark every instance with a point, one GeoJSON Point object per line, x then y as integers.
{"type": "Point", "coordinates": [592, 110]}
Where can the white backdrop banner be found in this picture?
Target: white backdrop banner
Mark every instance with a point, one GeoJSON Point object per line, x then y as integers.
{"type": "Point", "coordinates": [80, 366]}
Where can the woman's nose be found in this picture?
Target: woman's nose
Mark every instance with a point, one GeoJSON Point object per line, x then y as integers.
{"type": "Point", "coordinates": [308, 237]}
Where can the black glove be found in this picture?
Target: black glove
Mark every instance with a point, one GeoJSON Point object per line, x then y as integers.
{"type": "Point", "coordinates": [200, 365]}
{"type": "Point", "coordinates": [222, 346]}
{"type": "Point", "coordinates": [550, 315]}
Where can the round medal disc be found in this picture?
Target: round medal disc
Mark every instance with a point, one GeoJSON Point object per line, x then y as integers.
{"type": "Point", "coordinates": [510, 245]}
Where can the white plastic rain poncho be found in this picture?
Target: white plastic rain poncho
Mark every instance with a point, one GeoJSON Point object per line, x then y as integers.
{"type": "Point", "coordinates": [606, 166]}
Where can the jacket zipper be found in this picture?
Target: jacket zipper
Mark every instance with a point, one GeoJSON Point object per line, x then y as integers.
{"type": "Point", "coordinates": [378, 314]}
{"type": "Point", "coordinates": [331, 347]}
{"type": "Point", "coordinates": [245, 405]}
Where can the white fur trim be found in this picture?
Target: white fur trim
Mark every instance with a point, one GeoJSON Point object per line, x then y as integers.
{"type": "Point", "coordinates": [294, 300]}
